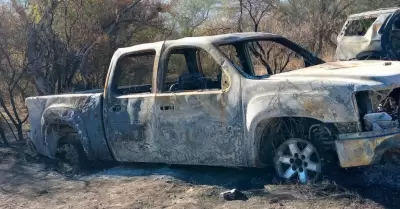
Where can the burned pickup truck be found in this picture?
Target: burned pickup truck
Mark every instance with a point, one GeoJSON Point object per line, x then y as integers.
{"type": "Point", "coordinates": [236, 100]}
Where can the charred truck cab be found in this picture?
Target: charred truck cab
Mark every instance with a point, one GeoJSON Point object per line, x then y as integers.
{"type": "Point", "coordinates": [237, 100]}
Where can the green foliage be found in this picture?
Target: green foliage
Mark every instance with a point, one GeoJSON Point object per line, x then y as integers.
{"type": "Point", "coordinates": [35, 12]}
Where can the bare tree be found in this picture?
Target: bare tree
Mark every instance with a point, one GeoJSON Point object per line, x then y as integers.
{"type": "Point", "coordinates": [189, 15]}
{"type": "Point", "coordinates": [54, 60]}
{"type": "Point", "coordinates": [256, 10]}
{"type": "Point", "coordinates": [13, 80]}
{"type": "Point", "coordinates": [363, 5]}
{"type": "Point", "coordinates": [12, 95]}
{"type": "Point", "coordinates": [324, 18]}
{"type": "Point", "coordinates": [3, 133]}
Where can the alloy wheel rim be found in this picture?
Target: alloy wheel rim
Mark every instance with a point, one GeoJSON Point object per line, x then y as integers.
{"type": "Point", "coordinates": [298, 159]}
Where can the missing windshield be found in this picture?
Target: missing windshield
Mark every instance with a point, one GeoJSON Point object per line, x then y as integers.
{"type": "Point", "coordinates": [264, 57]}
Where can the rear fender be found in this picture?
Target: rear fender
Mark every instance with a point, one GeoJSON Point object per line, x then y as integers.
{"type": "Point", "coordinates": [63, 115]}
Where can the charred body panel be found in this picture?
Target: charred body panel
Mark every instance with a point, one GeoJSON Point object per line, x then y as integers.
{"type": "Point", "coordinates": [80, 112]}
{"type": "Point", "coordinates": [130, 130]}
{"type": "Point", "coordinates": [379, 115]}
{"type": "Point", "coordinates": [366, 148]}
{"type": "Point", "coordinates": [208, 133]}
{"type": "Point", "coordinates": [207, 124]}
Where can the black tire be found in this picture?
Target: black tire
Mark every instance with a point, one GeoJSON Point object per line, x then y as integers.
{"type": "Point", "coordinates": [71, 152]}
{"type": "Point", "coordinates": [276, 136]}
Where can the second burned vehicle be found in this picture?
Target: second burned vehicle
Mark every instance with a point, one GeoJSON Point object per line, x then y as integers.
{"type": "Point", "coordinates": [243, 100]}
{"type": "Point", "coordinates": [373, 35]}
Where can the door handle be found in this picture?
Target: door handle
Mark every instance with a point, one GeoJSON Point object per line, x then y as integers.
{"type": "Point", "coordinates": [116, 108]}
{"type": "Point", "coordinates": [167, 108]}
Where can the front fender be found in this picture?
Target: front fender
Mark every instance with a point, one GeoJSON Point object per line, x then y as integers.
{"type": "Point", "coordinates": [325, 107]}
{"type": "Point", "coordinates": [63, 115]}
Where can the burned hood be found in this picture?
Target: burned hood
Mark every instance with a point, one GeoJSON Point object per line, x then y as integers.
{"type": "Point", "coordinates": [362, 74]}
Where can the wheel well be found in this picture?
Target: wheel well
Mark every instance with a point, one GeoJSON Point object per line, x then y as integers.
{"type": "Point", "coordinates": [63, 133]}
{"type": "Point", "coordinates": [283, 128]}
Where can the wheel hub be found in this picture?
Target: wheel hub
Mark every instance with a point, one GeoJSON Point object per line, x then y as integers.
{"type": "Point", "coordinates": [298, 162]}
{"type": "Point", "coordinates": [295, 161]}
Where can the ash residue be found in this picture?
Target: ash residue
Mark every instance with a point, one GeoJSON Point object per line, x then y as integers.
{"type": "Point", "coordinates": [384, 175]}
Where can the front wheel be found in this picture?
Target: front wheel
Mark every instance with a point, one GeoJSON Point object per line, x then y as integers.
{"type": "Point", "coordinates": [299, 150]}
{"type": "Point", "coordinates": [297, 159]}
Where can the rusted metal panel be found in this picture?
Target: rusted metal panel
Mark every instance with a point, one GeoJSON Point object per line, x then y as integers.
{"type": "Point", "coordinates": [360, 149]}
{"type": "Point", "coordinates": [357, 152]}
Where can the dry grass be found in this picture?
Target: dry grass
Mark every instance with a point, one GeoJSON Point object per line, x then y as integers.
{"type": "Point", "coordinates": [30, 184]}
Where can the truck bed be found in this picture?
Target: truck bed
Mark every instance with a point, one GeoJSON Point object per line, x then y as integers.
{"type": "Point", "coordinates": [81, 111]}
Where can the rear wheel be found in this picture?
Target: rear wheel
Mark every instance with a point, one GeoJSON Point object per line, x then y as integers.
{"type": "Point", "coordinates": [71, 155]}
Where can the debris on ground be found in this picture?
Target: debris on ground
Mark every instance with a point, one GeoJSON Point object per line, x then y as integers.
{"type": "Point", "coordinates": [234, 194]}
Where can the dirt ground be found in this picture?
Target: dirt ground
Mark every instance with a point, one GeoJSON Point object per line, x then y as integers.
{"type": "Point", "coordinates": [29, 183]}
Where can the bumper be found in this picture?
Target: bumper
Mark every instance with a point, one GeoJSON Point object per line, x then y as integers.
{"type": "Point", "coordinates": [366, 148]}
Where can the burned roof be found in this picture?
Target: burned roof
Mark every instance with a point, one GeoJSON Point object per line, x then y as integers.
{"type": "Point", "coordinates": [374, 13]}
{"type": "Point", "coordinates": [216, 39]}
{"type": "Point", "coordinates": [230, 37]}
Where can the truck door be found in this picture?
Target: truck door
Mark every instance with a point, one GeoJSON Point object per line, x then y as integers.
{"type": "Point", "coordinates": [198, 110]}
{"type": "Point", "coordinates": [128, 106]}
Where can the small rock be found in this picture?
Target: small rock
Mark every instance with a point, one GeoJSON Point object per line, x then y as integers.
{"type": "Point", "coordinates": [233, 194]}
{"type": "Point", "coordinates": [267, 188]}
{"type": "Point", "coordinates": [273, 201]}
{"type": "Point", "coordinates": [41, 192]}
